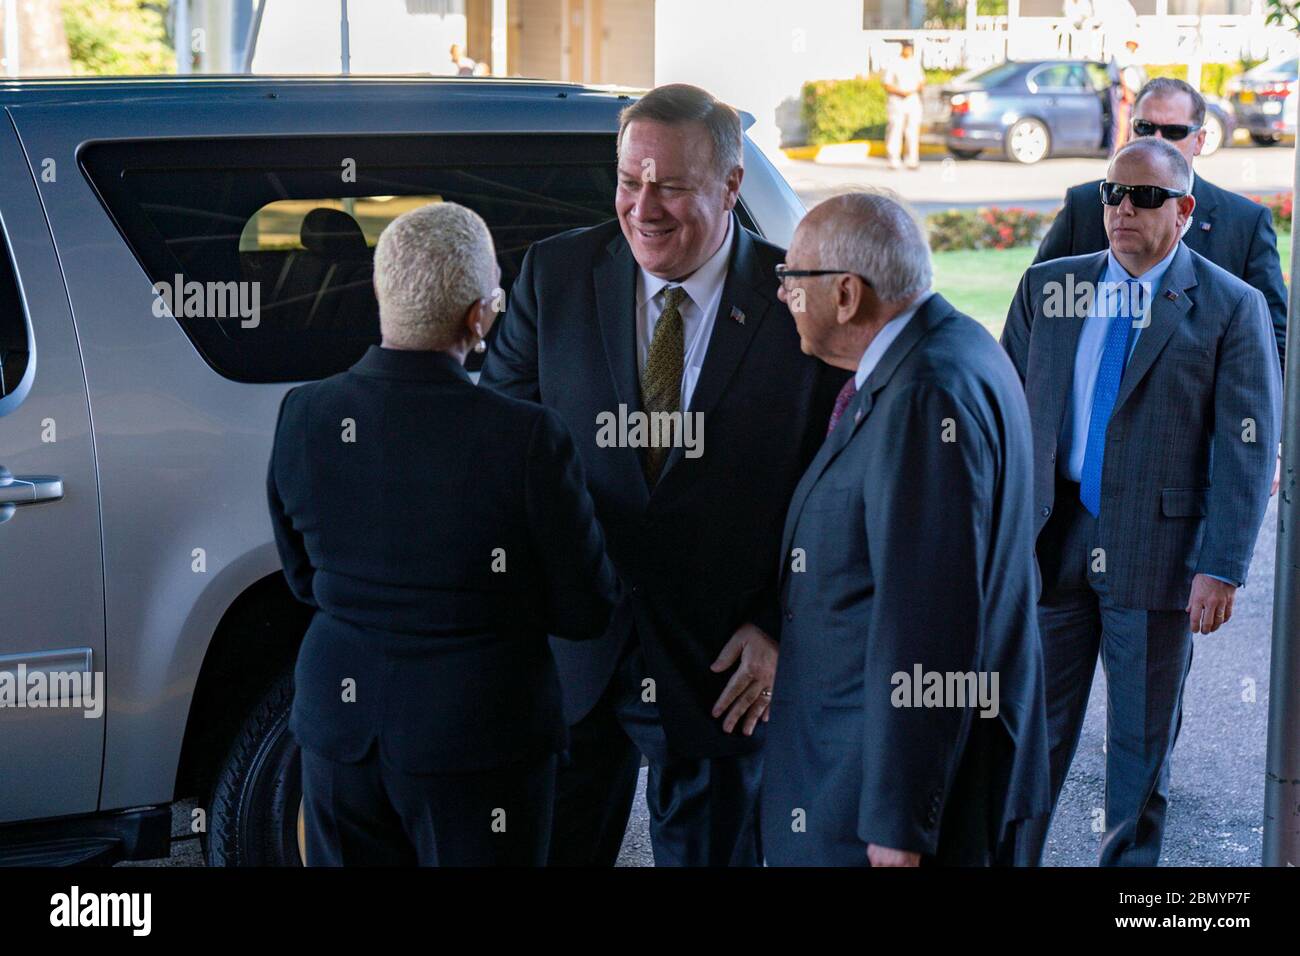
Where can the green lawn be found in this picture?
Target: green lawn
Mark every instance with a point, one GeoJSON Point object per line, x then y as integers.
{"type": "Point", "coordinates": [982, 283]}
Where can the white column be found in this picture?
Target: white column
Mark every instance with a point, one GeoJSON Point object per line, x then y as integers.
{"type": "Point", "coordinates": [500, 26]}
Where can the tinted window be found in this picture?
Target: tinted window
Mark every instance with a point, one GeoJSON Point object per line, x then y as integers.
{"type": "Point", "coordinates": [994, 75]}
{"type": "Point", "coordinates": [1059, 76]}
{"type": "Point", "coordinates": [14, 349]}
{"type": "Point", "coordinates": [286, 228]}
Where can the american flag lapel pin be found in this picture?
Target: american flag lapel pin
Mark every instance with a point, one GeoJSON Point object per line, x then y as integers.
{"type": "Point", "coordinates": [1171, 295]}
{"type": "Point", "coordinates": [737, 315]}
{"type": "Point", "coordinates": [1205, 227]}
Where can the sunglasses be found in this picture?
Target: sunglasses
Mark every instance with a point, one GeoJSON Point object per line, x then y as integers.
{"type": "Point", "coordinates": [783, 273]}
{"type": "Point", "coordinates": [1144, 197]}
{"type": "Point", "coordinates": [1172, 131]}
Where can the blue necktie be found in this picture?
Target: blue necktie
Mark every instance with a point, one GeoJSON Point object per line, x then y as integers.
{"type": "Point", "coordinates": [1114, 355]}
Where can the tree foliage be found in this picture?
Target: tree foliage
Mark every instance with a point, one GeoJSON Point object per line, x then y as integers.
{"type": "Point", "coordinates": [118, 37]}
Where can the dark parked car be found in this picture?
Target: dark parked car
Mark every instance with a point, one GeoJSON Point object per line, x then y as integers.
{"type": "Point", "coordinates": [1264, 99]}
{"type": "Point", "coordinates": [1029, 110]}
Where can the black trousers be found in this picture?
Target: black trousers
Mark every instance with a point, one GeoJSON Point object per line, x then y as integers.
{"type": "Point", "coordinates": [369, 814]}
{"type": "Point", "coordinates": [703, 811]}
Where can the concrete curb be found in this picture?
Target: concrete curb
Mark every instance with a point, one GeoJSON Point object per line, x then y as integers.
{"type": "Point", "coordinates": [854, 151]}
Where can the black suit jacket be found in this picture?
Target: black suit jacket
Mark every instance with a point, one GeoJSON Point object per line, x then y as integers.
{"type": "Point", "coordinates": [910, 547]}
{"type": "Point", "coordinates": [440, 531]}
{"type": "Point", "coordinates": [699, 554]}
{"type": "Point", "coordinates": [1229, 230]}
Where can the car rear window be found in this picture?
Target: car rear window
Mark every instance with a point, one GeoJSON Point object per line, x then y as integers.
{"type": "Point", "coordinates": [262, 249]}
{"type": "Point", "coordinates": [994, 75]}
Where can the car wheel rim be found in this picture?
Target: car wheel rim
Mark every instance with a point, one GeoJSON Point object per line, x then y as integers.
{"type": "Point", "coordinates": [1029, 142]}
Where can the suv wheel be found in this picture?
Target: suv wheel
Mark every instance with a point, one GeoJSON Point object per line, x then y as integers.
{"type": "Point", "coordinates": [255, 815]}
{"type": "Point", "coordinates": [1213, 135]}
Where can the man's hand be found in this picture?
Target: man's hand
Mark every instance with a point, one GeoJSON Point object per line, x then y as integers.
{"type": "Point", "coordinates": [757, 672]}
{"type": "Point", "coordinates": [1210, 606]}
{"type": "Point", "coordinates": [884, 856]}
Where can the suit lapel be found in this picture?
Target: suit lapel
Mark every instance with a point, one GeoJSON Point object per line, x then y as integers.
{"type": "Point", "coordinates": [1170, 305]}
{"type": "Point", "coordinates": [615, 279]}
{"type": "Point", "coordinates": [1203, 217]}
{"type": "Point", "coordinates": [742, 299]}
{"type": "Point", "coordinates": [930, 315]}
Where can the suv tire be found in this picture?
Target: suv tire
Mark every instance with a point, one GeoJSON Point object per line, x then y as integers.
{"type": "Point", "coordinates": [254, 816]}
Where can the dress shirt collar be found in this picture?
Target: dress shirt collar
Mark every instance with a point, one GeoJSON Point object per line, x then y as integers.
{"type": "Point", "coordinates": [1116, 273]}
{"type": "Point", "coordinates": [885, 338]}
{"type": "Point", "coordinates": [702, 284]}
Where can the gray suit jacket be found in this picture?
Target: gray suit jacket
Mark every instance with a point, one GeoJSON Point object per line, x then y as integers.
{"type": "Point", "coordinates": [912, 542]}
{"type": "Point", "coordinates": [1193, 436]}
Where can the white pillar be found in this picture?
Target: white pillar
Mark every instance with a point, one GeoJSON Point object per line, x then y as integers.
{"type": "Point", "coordinates": [500, 26]}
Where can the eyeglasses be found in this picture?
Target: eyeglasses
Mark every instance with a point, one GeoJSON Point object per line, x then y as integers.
{"type": "Point", "coordinates": [1172, 131]}
{"type": "Point", "coordinates": [1144, 197]}
{"type": "Point", "coordinates": [783, 272]}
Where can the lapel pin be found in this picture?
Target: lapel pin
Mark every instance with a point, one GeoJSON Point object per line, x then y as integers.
{"type": "Point", "coordinates": [1205, 227]}
{"type": "Point", "coordinates": [1171, 295]}
{"type": "Point", "coordinates": [737, 315]}
{"type": "Point", "coordinates": [857, 417]}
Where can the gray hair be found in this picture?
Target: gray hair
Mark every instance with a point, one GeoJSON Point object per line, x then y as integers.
{"type": "Point", "coordinates": [679, 103]}
{"type": "Point", "coordinates": [431, 264]}
{"type": "Point", "coordinates": [876, 236]}
{"type": "Point", "coordinates": [1174, 161]}
{"type": "Point", "coordinates": [1163, 86]}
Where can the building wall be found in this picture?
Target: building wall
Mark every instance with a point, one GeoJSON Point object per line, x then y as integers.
{"type": "Point", "coordinates": [536, 30]}
{"type": "Point", "coordinates": [627, 47]}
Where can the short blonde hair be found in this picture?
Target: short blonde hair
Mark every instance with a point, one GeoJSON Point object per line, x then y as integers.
{"type": "Point", "coordinates": [431, 264]}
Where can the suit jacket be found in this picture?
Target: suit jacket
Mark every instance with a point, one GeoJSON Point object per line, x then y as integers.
{"type": "Point", "coordinates": [1228, 229]}
{"type": "Point", "coordinates": [698, 553]}
{"type": "Point", "coordinates": [909, 544]}
{"type": "Point", "coordinates": [1192, 438]}
{"type": "Point", "coordinates": [439, 546]}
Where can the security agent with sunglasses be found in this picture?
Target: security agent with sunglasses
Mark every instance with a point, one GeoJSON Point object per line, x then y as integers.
{"type": "Point", "coordinates": [1228, 229]}
{"type": "Point", "coordinates": [909, 551]}
{"type": "Point", "coordinates": [1156, 403]}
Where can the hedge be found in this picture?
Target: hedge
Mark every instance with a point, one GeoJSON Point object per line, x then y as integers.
{"type": "Point", "coordinates": [990, 228]}
{"type": "Point", "coordinates": [837, 111]}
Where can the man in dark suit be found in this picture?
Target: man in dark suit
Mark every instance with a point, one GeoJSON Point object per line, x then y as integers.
{"type": "Point", "coordinates": [1154, 392]}
{"type": "Point", "coordinates": [440, 532]}
{"type": "Point", "coordinates": [668, 314]}
{"type": "Point", "coordinates": [908, 718]}
{"type": "Point", "coordinates": [1229, 230]}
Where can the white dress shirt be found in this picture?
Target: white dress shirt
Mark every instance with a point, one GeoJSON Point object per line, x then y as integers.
{"type": "Point", "coordinates": [699, 310]}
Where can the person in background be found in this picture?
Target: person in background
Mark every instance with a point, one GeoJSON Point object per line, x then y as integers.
{"type": "Point", "coordinates": [1127, 78]}
{"type": "Point", "coordinates": [441, 532]}
{"type": "Point", "coordinates": [1155, 395]}
{"type": "Point", "coordinates": [904, 80]}
{"type": "Point", "coordinates": [462, 65]}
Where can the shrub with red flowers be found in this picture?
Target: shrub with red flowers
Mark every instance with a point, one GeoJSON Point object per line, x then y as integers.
{"type": "Point", "coordinates": [987, 228]}
{"type": "Point", "coordinates": [1279, 204]}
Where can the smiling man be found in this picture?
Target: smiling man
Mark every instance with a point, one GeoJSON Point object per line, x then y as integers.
{"type": "Point", "coordinates": [669, 308]}
{"type": "Point", "coordinates": [1154, 433]}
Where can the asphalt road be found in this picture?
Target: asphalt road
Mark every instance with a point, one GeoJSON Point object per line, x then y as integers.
{"type": "Point", "coordinates": [943, 183]}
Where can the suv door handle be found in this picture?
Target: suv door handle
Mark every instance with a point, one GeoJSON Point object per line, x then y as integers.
{"type": "Point", "coordinates": [28, 489]}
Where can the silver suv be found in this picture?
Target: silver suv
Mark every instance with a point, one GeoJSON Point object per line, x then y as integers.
{"type": "Point", "coordinates": [178, 253]}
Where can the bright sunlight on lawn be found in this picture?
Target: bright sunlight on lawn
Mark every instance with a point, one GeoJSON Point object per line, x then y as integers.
{"type": "Point", "coordinates": [982, 283]}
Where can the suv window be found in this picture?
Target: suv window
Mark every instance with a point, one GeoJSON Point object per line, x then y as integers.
{"type": "Point", "coordinates": [263, 249]}
{"type": "Point", "coordinates": [14, 347]}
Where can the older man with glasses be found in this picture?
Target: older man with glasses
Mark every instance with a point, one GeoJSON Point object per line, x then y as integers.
{"type": "Point", "coordinates": [1229, 230]}
{"type": "Point", "coordinates": [1155, 397]}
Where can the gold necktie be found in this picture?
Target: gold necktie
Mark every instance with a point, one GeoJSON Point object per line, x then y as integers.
{"type": "Point", "coordinates": [661, 382]}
